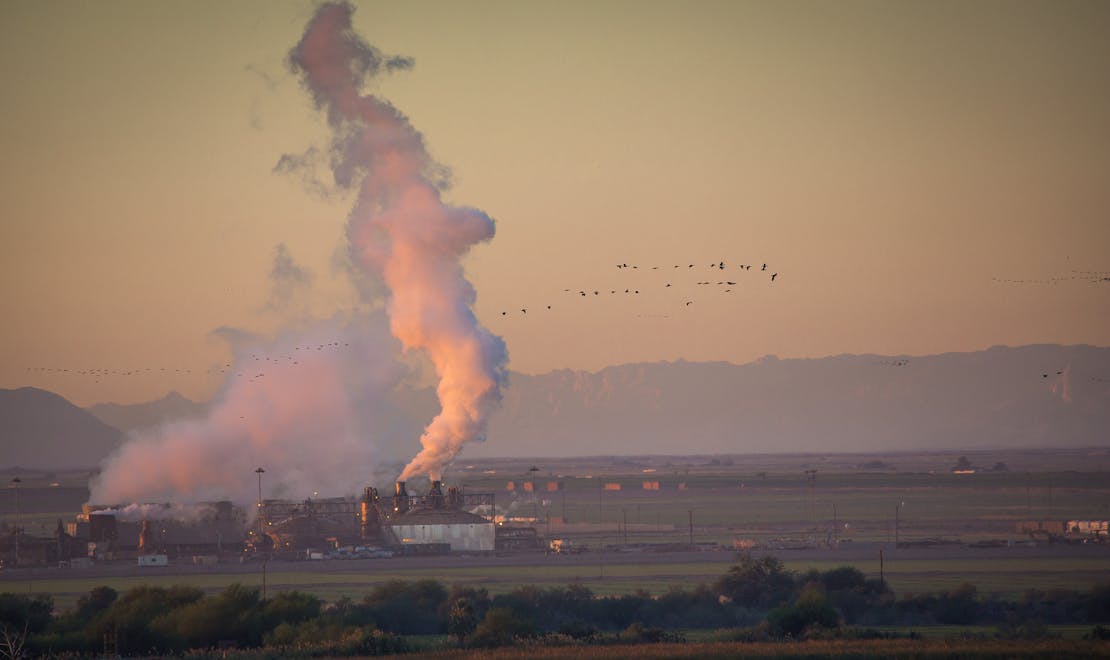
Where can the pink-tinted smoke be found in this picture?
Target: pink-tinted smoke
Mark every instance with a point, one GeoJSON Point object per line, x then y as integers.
{"type": "Point", "coordinates": [297, 406]}
{"type": "Point", "coordinates": [401, 231]}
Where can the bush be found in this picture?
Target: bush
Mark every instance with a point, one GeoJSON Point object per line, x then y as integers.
{"type": "Point", "coordinates": [408, 608]}
{"type": "Point", "coordinates": [811, 611]}
{"type": "Point", "coordinates": [234, 615]}
{"type": "Point", "coordinates": [462, 619]}
{"type": "Point", "coordinates": [760, 583]}
{"type": "Point", "coordinates": [501, 626]}
{"type": "Point", "coordinates": [131, 621]}
{"type": "Point", "coordinates": [638, 633]}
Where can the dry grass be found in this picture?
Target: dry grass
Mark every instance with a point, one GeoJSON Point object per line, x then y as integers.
{"type": "Point", "coordinates": [900, 648]}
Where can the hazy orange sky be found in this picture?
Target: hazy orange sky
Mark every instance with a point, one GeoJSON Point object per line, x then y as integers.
{"type": "Point", "coordinates": [892, 161]}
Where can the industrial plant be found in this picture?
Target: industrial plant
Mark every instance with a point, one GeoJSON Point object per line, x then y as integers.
{"type": "Point", "coordinates": [436, 522]}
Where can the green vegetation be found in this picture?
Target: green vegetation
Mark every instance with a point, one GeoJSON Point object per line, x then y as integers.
{"type": "Point", "coordinates": [757, 602]}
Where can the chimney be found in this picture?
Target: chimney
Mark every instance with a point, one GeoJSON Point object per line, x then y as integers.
{"type": "Point", "coordinates": [435, 495]}
{"type": "Point", "coordinates": [146, 538]}
{"type": "Point", "coordinates": [400, 499]}
{"type": "Point", "coordinates": [369, 514]}
{"type": "Point", "coordinates": [454, 499]}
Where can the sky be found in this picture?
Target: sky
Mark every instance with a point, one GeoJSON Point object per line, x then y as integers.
{"type": "Point", "coordinates": [923, 178]}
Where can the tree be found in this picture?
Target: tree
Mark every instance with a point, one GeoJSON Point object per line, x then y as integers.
{"type": "Point", "coordinates": [959, 606]}
{"type": "Point", "coordinates": [758, 583]}
{"type": "Point", "coordinates": [235, 614]}
{"type": "Point", "coordinates": [810, 611]}
{"type": "Point", "coordinates": [132, 617]}
{"type": "Point", "coordinates": [96, 601]}
{"type": "Point", "coordinates": [290, 607]}
{"type": "Point", "coordinates": [408, 608]}
{"type": "Point", "coordinates": [502, 626]}
{"type": "Point", "coordinates": [461, 620]}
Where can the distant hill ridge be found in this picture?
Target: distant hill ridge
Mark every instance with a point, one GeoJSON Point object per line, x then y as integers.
{"type": "Point", "coordinates": [996, 398]}
{"type": "Point", "coordinates": [139, 416]}
{"type": "Point", "coordinates": [39, 429]}
{"type": "Point", "coordinates": [999, 397]}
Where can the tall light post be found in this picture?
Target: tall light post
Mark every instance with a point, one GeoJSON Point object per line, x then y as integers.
{"type": "Point", "coordinates": [259, 472]}
{"type": "Point", "coordinates": [261, 535]}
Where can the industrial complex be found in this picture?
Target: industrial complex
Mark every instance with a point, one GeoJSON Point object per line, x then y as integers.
{"type": "Point", "coordinates": [439, 521]}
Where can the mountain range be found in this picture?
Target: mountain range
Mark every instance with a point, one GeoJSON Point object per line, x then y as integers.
{"type": "Point", "coordinates": [1021, 397]}
{"type": "Point", "coordinates": [39, 429]}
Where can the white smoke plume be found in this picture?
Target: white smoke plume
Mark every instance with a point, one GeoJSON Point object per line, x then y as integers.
{"type": "Point", "coordinates": [323, 410]}
{"type": "Point", "coordinates": [188, 513]}
{"type": "Point", "coordinates": [401, 231]}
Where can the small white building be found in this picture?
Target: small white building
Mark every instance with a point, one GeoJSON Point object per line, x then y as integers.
{"type": "Point", "coordinates": [153, 560]}
{"type": "Point", "coordinates": [465, 532]}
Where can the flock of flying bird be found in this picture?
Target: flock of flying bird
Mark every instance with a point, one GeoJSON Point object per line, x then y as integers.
{"type": "Point", "coordinates": [718, 266]}
{"type": "Point", "coordinates": [290, 359]}
{"type": "Point", "coordinates": [294, 359]}
{"type": "Point", "coordinates": [1092, 276]}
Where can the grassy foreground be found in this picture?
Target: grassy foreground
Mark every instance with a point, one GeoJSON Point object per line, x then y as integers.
{"type": "Point", "coordinates": [857, 649]}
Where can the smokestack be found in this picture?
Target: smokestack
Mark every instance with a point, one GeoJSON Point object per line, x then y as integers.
{"type": "Point", "coordinates": [400, 498]}
{"type": "Point", "coordinates": [436, 494]}
{"type": "Point", "coordinates": [454, 499]}
{"type": "Point", "coordinates": [146, 538]}
{"type": "Point", "coordinates": [371, 525]}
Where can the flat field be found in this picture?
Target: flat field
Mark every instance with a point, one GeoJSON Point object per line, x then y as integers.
{"type": "Point", "coordinates": [811, 511]}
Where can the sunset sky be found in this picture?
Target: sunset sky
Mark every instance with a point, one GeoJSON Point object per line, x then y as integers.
{"type": "Point", "coordinates": [899, 165]}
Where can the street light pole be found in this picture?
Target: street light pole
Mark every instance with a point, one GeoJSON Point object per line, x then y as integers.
{"type": "Point", "coordinates": [259, 472]}
{"type": "Point", "coordinates": [535, 507]}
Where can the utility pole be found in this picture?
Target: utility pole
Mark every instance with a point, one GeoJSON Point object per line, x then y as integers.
{"type": "Point", "coordinates": [1028, 496]}
{"type": "Point", "coordinates": [882, 578]}
{"type": "Point", "coordinates": [811, 476]}
{"type": "Point", "coordinates": [535, 508]}
{"type": "Point", "coordinates": [897, 509]}
{"type": "Point", "coordinates": [691, 513]}
{"type": "Point", "coordinates": [18, 519]}
{"type": "Point", "coordinates": [600, 492]}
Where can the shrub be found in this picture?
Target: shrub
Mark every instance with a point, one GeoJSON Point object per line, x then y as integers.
{"type": "Point", "coordinates": [758, 583]}
{"type": "Point", "coordinates": [501, 626]}
{"type": "Point", "coordinates": [809, 612]}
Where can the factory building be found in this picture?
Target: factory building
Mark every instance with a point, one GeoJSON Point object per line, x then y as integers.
{"type": "Point", "coordinates": [437, 520]}
{"type": "Point", "coordinates": [461, 531]}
